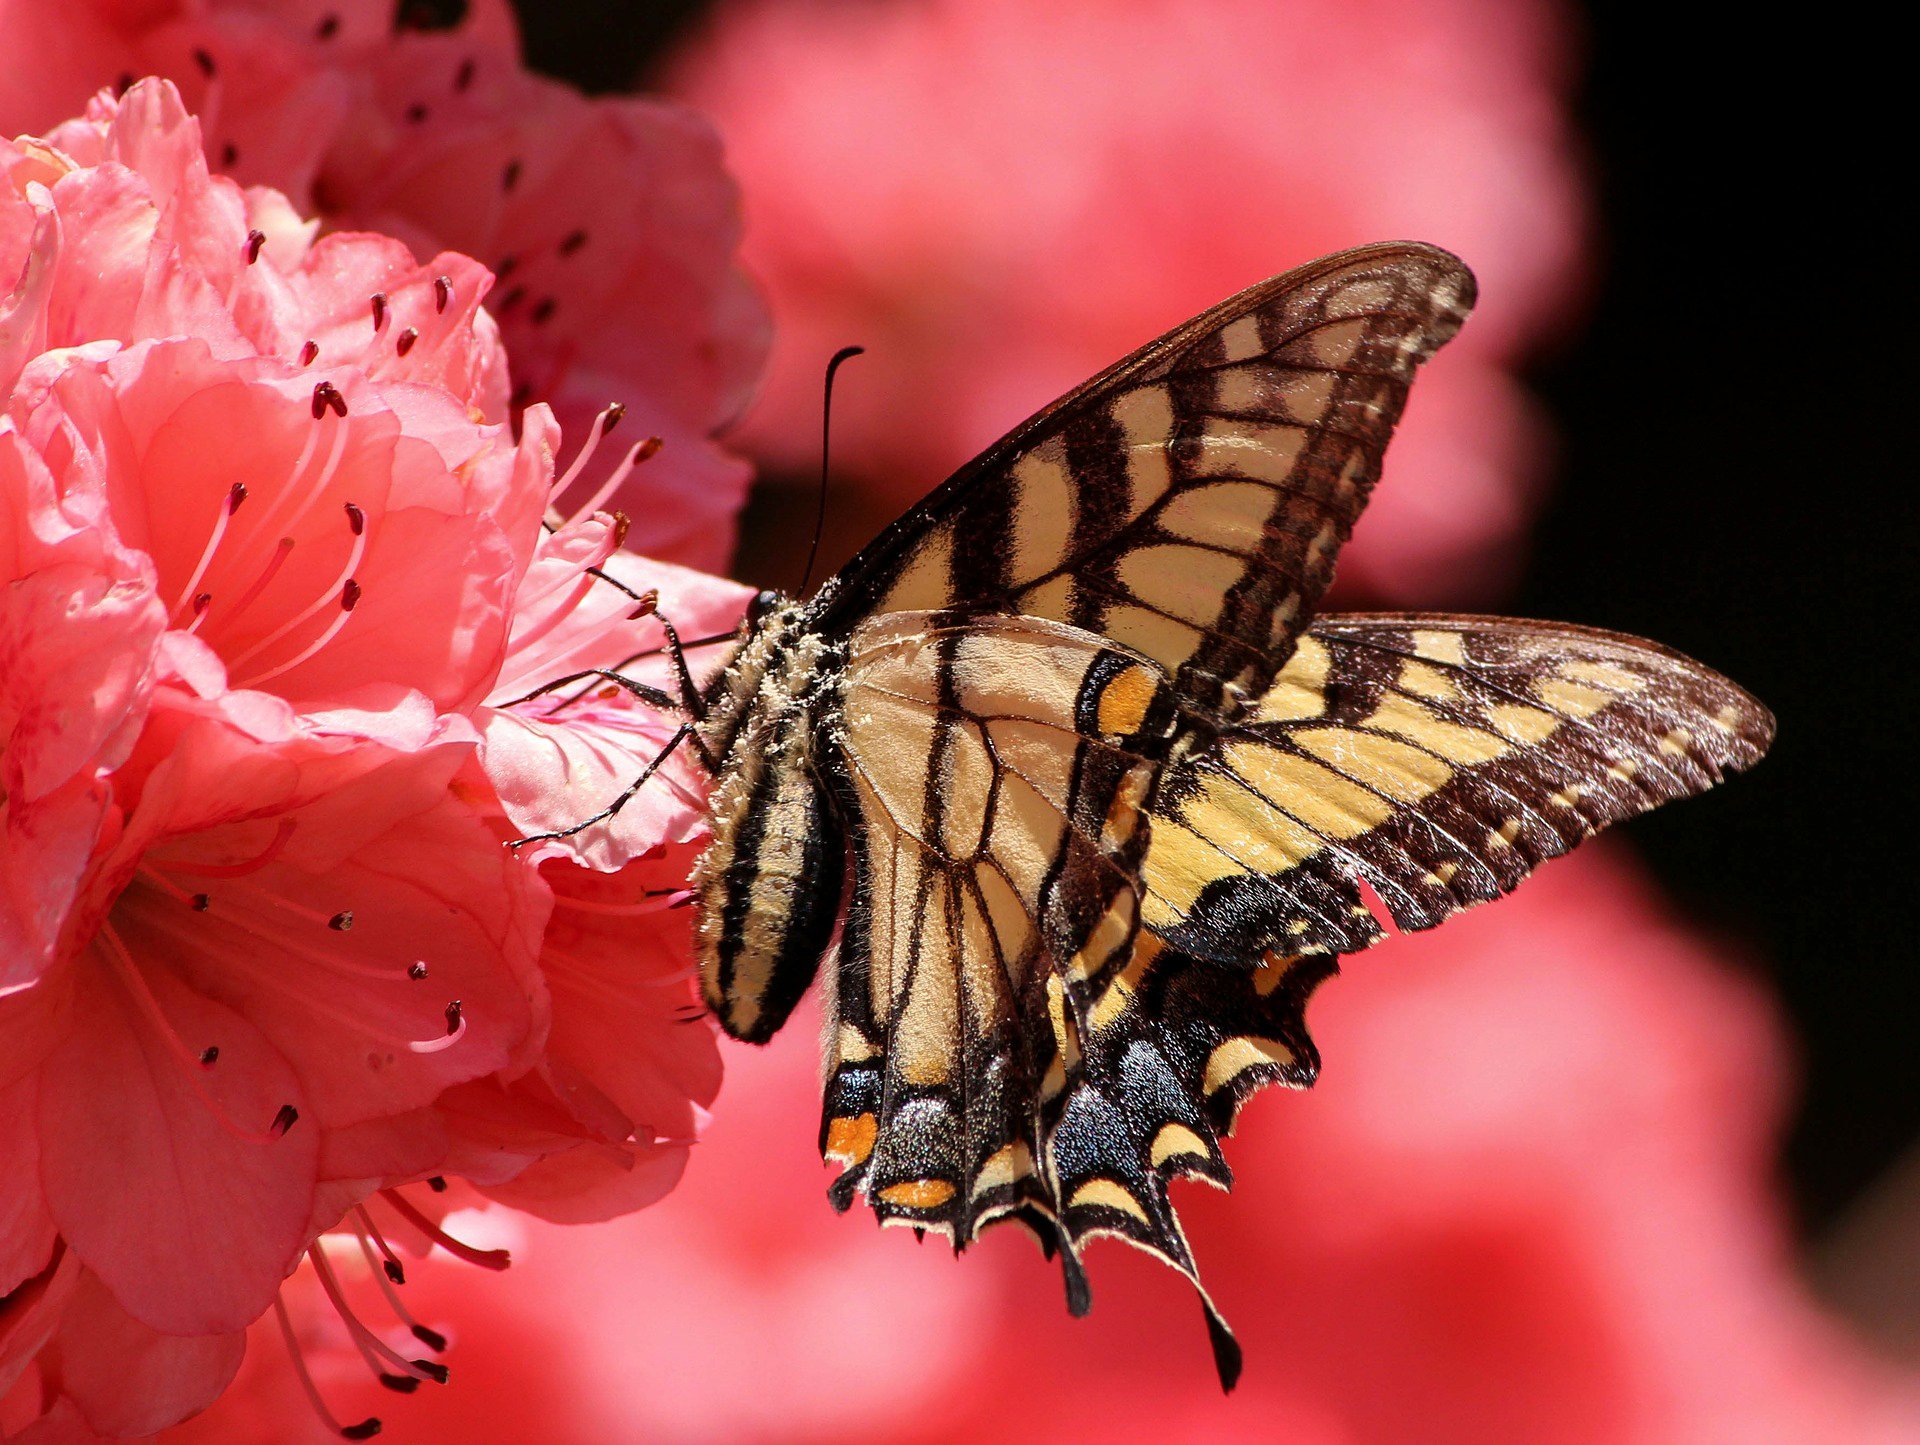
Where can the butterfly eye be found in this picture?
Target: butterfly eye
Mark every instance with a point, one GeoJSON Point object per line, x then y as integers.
{"type": "Point", "coordinates": [762, 604]}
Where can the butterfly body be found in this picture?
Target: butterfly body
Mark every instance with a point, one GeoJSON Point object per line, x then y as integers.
{"type": "Point", "coordinates": [1091, 793]}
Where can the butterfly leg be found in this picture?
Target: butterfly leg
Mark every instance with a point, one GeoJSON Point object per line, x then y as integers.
{"type": "Point", "coordinates": [680, 735]}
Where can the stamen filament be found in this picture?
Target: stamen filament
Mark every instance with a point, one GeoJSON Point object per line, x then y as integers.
{"type": "Point", "coordinates": [282, 550]}
{"type": "Point", "coordinates": [494, 1259]}
{"type": "Point", "coordinates": [636, 454]}
{"type": "Point", "coordinates": [355, 551]}
{"type": "Point", "coordinates": [362, 1336]}
{"type": "Point", "coordinates": [236, 494]}
{"type": "Point", "coordinates": [349, 599]}
{"type": "Point", "coordinates": [365, 1430]}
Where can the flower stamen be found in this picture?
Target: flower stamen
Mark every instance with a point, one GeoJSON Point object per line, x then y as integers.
{"type": "Point", "coordinates": [365, 1430]}
{"type": "Point", "coordinates": [494, 1259]}
{"type": "Point", "coordinates": [369, 1344]}
{"type": "Point", "coordinates": [638, 453]}
{"type": "Point", "coordinates": [356, 550]}
{"type": "Point", "coordinates": [236, 494]}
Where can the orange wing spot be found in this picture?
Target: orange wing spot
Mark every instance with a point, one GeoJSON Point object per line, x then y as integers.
{"type": "Point", "coordinates": [918, 1193]}
{"type": "Point", "coordinates": [851, 1140]}
{"type": "Point", "coordinates": [1124, 701]}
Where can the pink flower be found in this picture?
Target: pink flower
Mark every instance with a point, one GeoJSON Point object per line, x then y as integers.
{"type": "Point", "coordinates": [278, 646]}
{"type": "Point", "coordinates": [998, 199]}
{"type": "Point", "coordinates": [610, 222]}
{"type": "Point", "coordinates": [1527, 1201]}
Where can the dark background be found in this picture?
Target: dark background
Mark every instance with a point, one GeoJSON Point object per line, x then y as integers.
{"type": "Point", "coordinates": [1730, 484]}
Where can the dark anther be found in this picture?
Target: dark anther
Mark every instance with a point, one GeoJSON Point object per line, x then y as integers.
{"type": "Point", "coordinates": [432, 1339]}
{"type": "Point", "coordinates": [574, 241]}
{"type": "Point", "coordinates": [416, 970]}
{"type": "Point", "coordinates": [205, 61]}
{"type": "Point", "coordinates": [615, 410]}
{"type": "Point", "coordinates": [328, 27]}
{"type": "Point", "coordinates": [309, 350]}
{"type": "Point", "coordinates": [463, 77]}
{"type": "Point", "coordinates": [349, 595]}
{"type": "Point", "coordinates": [341, 921]}
{"type": "Point", "coordinates": [544, 311]}
{"type": "Point", "coordinates": [394, 1271]}
{"type": "Point", "coordinates": [201, 903]}
{"type": "Point", "coordinates": [256, 238]}
{"type": "Point", "coordinates": [510, 177]}
{"type": "Point", "coordinates": [236, 494]}
{"type": "Point", "coordinates": [507, 265]}
{"type": "Point", "coordinates": [403, 343]}
{"type": "Point", "coordinates": [416, 113]}
{"type": "Point", "coordinates": [400, 1384]}
{"type": "Point", "coordinates": [365, 1430]}
{"type": "Point", "coordinates": [647, 448]}
{"type": "Point", "coordinates": [438, 1186]}
{"type": "Point", "coordinates": [379, 300]}
{"type": "Point", "coordinates": [649, 600]}
{"type": "Point", "coordinates": [326, 397]}
{"type": "Point", "coordinates": [284, 1120]}
{"type": "Point", "coordinates": [436, 1371]}
{"type": "Point", "coordinates": [453, 1017]}
{"type": "Point", "coordinates": [229, 156]}
{"type": "Point", "coordinates": [209, 1056]}
{"type": "Point", "coordinates": [442, 292]}
{"type": "Point", "coordinates": [622, 524]}
{"type": "Point", "coordinates": [356, 519]}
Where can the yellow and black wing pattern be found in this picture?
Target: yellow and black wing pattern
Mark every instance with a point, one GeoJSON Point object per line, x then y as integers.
{"type": "Point", "coordinates": [1188, 502]}
{"type": "Point", "coordinates": [1437, 759]}
{"type": "Point", "coordinates": [1116, 799]}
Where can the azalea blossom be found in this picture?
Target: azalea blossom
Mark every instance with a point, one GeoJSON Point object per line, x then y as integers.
{"type": "Point", "coordinates": [997, 199]}
{"type": "Point", "coordinates": [610, 223]}
{"type": "Point", "coordinates": [289, 605]}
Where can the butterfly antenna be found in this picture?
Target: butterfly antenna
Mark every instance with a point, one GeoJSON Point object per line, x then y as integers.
{"type": "Point", "coordinates": [840, 357]}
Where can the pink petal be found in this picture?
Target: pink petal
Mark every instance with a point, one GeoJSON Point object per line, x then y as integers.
{"type": "Point", "coordinates": [126, 1378]}
{"type": "Point", "coordinates": [626, 1031]}
{"type": "Point", "coordinates": [366, 1038]}
{"type": "Point", "coordinates": [30, 1313]}
{"type": "Point", "coordinates": [26, 1229]}
{"type": "Point", "coordinates": [220, 1219]}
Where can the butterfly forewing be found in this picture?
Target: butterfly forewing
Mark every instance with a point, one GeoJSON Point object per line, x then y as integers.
{"type": "Point", "coordinates": [1189, 501]}
{"type": "Point", "coordinates": [1439, 759]}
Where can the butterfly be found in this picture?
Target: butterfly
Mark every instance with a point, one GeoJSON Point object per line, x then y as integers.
{"type": "Point", "coordinates": [1081, 795]}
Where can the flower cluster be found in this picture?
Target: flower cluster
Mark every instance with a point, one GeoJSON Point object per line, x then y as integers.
{"type": "Point", "coordinates": [609, 223]}
{"type": "Point", "coordinates": [284, 597]}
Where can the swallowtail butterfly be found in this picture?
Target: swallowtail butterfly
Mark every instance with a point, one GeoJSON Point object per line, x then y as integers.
{"type": "Point", "coordinates": [1089, 787]}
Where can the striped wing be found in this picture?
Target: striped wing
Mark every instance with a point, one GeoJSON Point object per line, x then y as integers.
{"type": "Point", "coordinates": [1189, 501]}
{"type": "Point", "coordinates": [1439, 760]}
{"type": "Point", "coordinates": [999, 768]}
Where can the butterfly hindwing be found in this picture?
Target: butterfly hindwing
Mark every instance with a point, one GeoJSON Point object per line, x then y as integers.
{"type": "Point", "coordinates": [998, 768]}
{"type": "Point", "coordinates": [1189, 501]}
{"type": "Point", "coordinates": [1439, 759]}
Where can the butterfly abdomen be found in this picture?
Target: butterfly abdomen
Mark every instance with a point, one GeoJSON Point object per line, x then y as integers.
{"type": "Point", "coordinates": [769, 884]}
